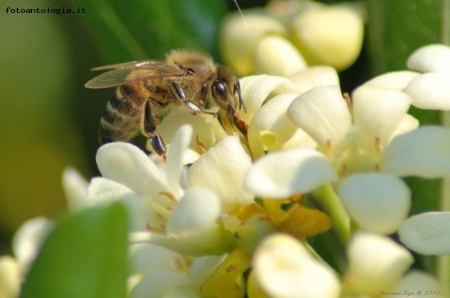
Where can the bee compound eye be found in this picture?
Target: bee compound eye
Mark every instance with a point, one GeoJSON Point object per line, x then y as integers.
{"type": "Point", "coordinates": [219, 88]}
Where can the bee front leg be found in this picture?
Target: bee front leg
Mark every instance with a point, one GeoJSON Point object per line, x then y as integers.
{"type": "Point", "coordinates": [189, 103]}
{"type": "Point", "coordinates": [150, 120]}
{"type": "Point", "coordinates": [240, 124]}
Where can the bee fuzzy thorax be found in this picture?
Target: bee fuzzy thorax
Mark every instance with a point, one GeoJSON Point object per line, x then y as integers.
{"type": "Point", "coordinates": [187, 59]}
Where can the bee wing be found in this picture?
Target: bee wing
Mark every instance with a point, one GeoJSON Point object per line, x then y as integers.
{"type": "Point", "coordinates": [131, 71]}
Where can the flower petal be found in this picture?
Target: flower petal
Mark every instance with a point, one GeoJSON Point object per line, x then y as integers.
{"type": "Point", "coordinates": [75, 189]}
{"type": "Point", "coordinates": [323, 113]}
{"type": "Point", "coordinates": [104, 191]}
{"type": "Point", "coordinates": [378, 111]}
{"type": "Point", "coordinates": [222, 169]}
{"type": "Point", "coordinates": [395, 80]}
{"type": "Point", "coordinates": [270, 128]}
{"type": "Point", "coordinates": [275, 55]}
{"type": "Point", "coordinates": [199, 208]}
{"type": "Point", "coordinates": [256, 89]}
{"type": "Point", "coordinates": [329, 36]}
{"type": "Point", "coordinates": [175, 156]}
{"type": "Point", "coordinates": [10, 278]}
{"type": "Point", "coordinates": [200, 242]}
{"type": "Point", "coordinates": [282, 174]}
{"type": "Point", "coordinates": [28, 239]}
{"type": "Point", "coordinates": [430, 58]}
{"type": "Point", "coordinates": [408, 123]}
{"type": "Point", "coordinates": [129, 165]}
{"type": "Point", "coordinates": [202, 267]}
{"type": "Point", "coordinates": [284, 268]}
{"type": "Point", "coordinates": [239, 36]}
{"type": "Point", "coordinates": [415, 281]}
{"type": "Point", "coordinates": [427, 233]}
{"type": "Point", "coordinates": [207, 132]}
{"type": "Point", "coordinates": [315, 76]}
{"type": "Point", "coordinates": [158, 284]}
{"type": "Point", "coordinates": [375, 263]}
{"type": "Point", "coordinates": [422, 152]}
{"type": "Point", "coordinates": [376, 202]}
{"type": "Point", "coordinates": [224, 281]}
{"type": "Point", "coordinates": [430, 91]}
{"type": "Point", "coordinates": [148, 258]}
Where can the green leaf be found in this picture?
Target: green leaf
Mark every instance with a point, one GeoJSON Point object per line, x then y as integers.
{"type": "Point", "coordinates": [143, 29]}
{"type": "Point", "coordinates": [85, 256]}
{"type": "Point", "coordinates": [397, 28]}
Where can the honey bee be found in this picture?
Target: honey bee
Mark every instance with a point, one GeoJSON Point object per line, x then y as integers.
{"type": "Point", "coordinates": [149, 88]}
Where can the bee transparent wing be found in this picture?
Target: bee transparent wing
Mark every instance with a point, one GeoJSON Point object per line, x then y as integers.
{"type": "Point", "coordinates": [131, 71]}
{"type": "Point", "coordinates": [133, 64]}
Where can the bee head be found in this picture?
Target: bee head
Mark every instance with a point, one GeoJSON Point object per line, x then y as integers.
{"type": "Point", "coordinates": [226, 91]}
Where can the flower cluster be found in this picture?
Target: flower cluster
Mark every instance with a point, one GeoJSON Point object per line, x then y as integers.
{"type": "Point", "coordinates": [228, 214]}
{"type": "Point", "coordinates": [286, 36]}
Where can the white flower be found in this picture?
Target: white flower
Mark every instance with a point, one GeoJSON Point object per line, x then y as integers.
{"type": "Point", "coordinates": [269, 127]}
{"type": "Point", "coordinates": [329, 35]}
{"type": "Point", "coordinates": [376, 202]}
{"type": "Point", "coordinates": [161, 211]}
{"type": "Point", "coordinates": [378, 266]}
{"type": "Point", "coordinates": [374, 134]}
{"type": "Point", "coordinates": [267, 58]}
{"type": "Point", "coordinates": [283, 267]}
{"type": "Point", "coordinates": [207, 131]}
{"type": "Point", "coordinates": [28, 240]}
{"type": "Point", "coordinates": [75, 189]}
{"type": "Point", "coordinates": [427, 233]}
{"type": "Point", "coordinates": [375, 141]}
{"type": "Point", "coordinates": [239, 37]}
{"type": "Point", "coordinates": [414, 282]}
{"type": "Point", "coordinates": [284, 39]}
{"type": "Point", "coordinates": [430, 58]}
{"type": "Point", "coordinates": [429, 90]}
{"type": "Point", "coordinates": [10, 277]}
{"type": "Point", "coordinates": [26, 244]}
{"type": "Point", "coordinates": [159, 272]}
{"type": "Point", "coordinates": [222, 169]}
{"type": "Point", "coordinates": [376, 263]}
{"type": "Point", "coordinates": [282, 174]}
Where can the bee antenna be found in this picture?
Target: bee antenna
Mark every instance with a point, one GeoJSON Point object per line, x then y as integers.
{"type": "Point", "coordinates": [237, 88]}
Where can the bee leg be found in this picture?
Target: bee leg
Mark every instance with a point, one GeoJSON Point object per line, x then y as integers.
{"type": "Point", "coordinates": [148, 127]}
{"type": "Point", "coordinates": [240, 123]}
{"type": "Point", "coordinates": [189, 103]}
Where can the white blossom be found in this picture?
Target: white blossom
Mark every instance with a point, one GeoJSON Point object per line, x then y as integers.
{"type": "Point", "coordinates": [283, 268]}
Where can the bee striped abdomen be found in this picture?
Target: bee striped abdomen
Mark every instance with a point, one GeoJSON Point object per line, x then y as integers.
{"type": "Point", "coordinates": [120, 119]}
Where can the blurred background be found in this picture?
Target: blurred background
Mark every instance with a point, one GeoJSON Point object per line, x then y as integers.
{"type": "Point", "coordinates": [49, 121]}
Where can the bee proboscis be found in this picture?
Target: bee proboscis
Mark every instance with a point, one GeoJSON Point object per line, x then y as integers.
{"type": "Point", "coordinates": [148, 88]}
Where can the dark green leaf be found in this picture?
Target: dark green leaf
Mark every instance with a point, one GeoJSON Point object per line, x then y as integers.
{"type": "Point", "coordinates": [85, 256]}
{"type": "Point", "coordinates": [397, 28]}
{"type": "Point", "coordinates": [142, 29]}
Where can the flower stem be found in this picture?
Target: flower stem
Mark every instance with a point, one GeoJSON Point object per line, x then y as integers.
{"type": "Point", "coordinates": [331, 203]}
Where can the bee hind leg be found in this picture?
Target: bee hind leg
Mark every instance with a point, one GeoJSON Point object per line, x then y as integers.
{"type": "Point", "coordinates": [148, 127]}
